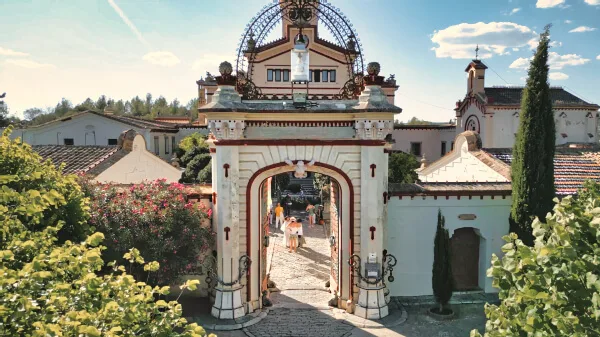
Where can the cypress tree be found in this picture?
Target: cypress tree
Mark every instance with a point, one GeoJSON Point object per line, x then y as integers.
{"type": "Point", "coordinates": [442, 280]}
{"type": "Point", "coordinates": [533, 153]}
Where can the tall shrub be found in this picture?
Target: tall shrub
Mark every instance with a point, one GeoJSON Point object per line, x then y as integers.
{"type": "Point", "coordinates": [533, 154]}
{"type": "Point", "coordinates": [401, 168]}
{"type": "Point", "coordinates": [154, 218]}
{"type": "Point", "coordinates": [442, 280]}
{"type": "Point", "coordinates": [49, 288]}
{"type": "Point", "coordinates": [552, 288]}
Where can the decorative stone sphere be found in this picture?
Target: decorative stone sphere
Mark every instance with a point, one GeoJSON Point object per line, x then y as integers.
{"type": "Point", "coordinates": [225, 68]}
{"type": "Point", "coordinates": [373, 68]}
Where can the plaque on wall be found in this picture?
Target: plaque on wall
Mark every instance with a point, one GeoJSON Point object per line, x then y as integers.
{"type": "Point", "coordinates": [467, 217]}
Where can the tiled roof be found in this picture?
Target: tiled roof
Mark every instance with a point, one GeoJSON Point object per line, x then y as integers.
{"type": "Point", "coordinates": [571, 167]}
{"type": "Point", "coordinates": [78, 159]}
{"type": "Point", "coordinates": [132, 121]}
{"type": "Point", "coordinates": [424, 126]}
{"type": "Point", "coordinates": [451, 188]}
{"type": "Point", "coordinates": [512, 96]}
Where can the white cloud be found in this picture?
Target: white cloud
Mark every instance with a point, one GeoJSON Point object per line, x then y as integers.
{"type": "Point", "coordinates": [10, 52]}
{"type": "Point", "coordinates": [549, 3]}
{"type": "Point", "coordinates": [162, 58]}
{"type": "Point", "coordinates": [555, 44]}
{"type": "Point", "coordinates": [558, 76]}
{"type": "Point", "coordinates": [514, 11]}
{"type": "Point", "coordinates": [128, 22]}
{"type": "Point", "coordinates": [209, 62]}
{"type": "Point", "coordinates": [582, 29]}
{"type": "Point", "coordinates": [568, 21]}
{"type": "Point", "coordinates": [598, 57]}
{"type": "Point", "coordinates": [555, 60]}
{"type": "Point", "coordinates": [459, 41]}
{"type": "Point", "coordinates": [515, 49]}
{"type": "Point", "coordinates": [593, 2]}
{"type": "Point", "coordinates": [29, 64]}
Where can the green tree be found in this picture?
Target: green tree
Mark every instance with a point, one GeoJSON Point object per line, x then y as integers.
{"type": "Point", "coordinates": [281, 182]}
{"type": "Point", "coordinates": [192, 108]}
{"type": "Point", "coordinates": [51, 289]}
{"type": "Point", "coordinates": [160, 107]}
{"type": "Point", "coordinates": [195, 139]}
{"type": "Point", "coordinates": [119, 107]}
{"type": "Point", "coordinates": [31, 113]}
{"type": "Point", "coordinates": [137, 107]}
{"type": "Point", "coordinates": [401, 168]}
{"type": "Point", "coordinates": [321, 183]}
{"type": "Point", "coordinates": [88, 104]}
{"type": "Point", "coordinates": [416, 121]}
{"type": "Point", "coordinates": [148, 104]}
{"type": "Point", "coordinates": [552, 288]}
{"type": "Point", "coordinates": [3, 112]}
{"type": "Point", "coordinates": [101, 103]}
{"type": "Point", "coordinates": [532, 169]}
{"type": "Point", "coordinates": [194, 166]}
{"type": "Point", "coordinates": [442, 280]}
{"type": "Point", "coordinates": [63, 107]}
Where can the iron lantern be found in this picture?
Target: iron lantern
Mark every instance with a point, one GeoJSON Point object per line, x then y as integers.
{"type": "Point", "coordinates": [332, 241]}
{"type": "Point", "coordinates": [266, 241]}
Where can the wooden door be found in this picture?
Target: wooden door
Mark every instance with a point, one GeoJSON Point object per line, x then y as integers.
{"type": "Point", "coordinates": [465, 259]}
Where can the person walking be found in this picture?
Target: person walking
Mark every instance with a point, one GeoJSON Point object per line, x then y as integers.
{"type": "Point", "coordinates": [311, 215]}
{"type": "Point", "coordinates": [279, 218]}
{"type": "Point", "coordinates": [293, 228]}
{"type": "Point", "coordinates": [300, 231]}
{"type": "Point", "coordinates": [286, 232]}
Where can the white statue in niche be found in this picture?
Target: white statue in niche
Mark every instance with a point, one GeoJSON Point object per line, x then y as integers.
{"type": "Point", "coordinates": [300, 167]}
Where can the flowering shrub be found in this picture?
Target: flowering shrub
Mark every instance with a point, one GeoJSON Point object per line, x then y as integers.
{"type": "Point", "coordinates": [154, 218]}
{"type": "Point", "coordinates": [53, 289]}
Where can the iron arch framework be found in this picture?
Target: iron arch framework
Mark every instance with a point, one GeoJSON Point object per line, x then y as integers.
{"type": "Point", "coordinates": [298, 13]}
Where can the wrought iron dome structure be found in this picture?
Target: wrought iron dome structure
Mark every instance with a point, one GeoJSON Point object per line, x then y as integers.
{"type": "Point", "coordinates": [299, 13]}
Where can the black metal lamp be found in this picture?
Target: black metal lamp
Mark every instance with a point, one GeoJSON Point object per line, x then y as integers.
{"type": "Point", "coordinates": [266, 241]}
{"type": "Point", "coordinates": [332, 241]}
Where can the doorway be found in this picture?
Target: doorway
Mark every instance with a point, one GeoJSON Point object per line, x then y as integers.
{"type": "Point", "coordinates": [465, 259]}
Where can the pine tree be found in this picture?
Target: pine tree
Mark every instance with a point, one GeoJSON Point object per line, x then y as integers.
{"type": "Point", "coordinates": [533, 153]}
{"type": "Point", "coordinates": [442, 280]}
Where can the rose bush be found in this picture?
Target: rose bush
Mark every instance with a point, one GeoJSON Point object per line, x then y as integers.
{"type": "Point", "coordinates": [49, 288]}
{"type": "Point", "coordinates": [154, 218]}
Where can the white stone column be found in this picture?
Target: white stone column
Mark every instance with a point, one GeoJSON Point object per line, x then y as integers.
{"type": "Point", "coordinates": [228, 299]}
{"type": "Point", "coordinates": [371, 302]}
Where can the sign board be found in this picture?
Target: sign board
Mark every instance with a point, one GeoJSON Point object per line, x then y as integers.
{"type": "Point", "coordinates": [467, 217]}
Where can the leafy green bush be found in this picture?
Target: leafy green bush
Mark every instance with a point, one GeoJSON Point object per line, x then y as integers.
{"type": "Point", "coordinates": [194, 167]}
{"type": "Point", "coordinates": [194, 140]}
{"type": "Point", "coordinates": [442, 280]}
{"type": "Point", "coordinates": [156, 219]}
{"type": "Point", "coordinates": [552, 288]}
{"type": "Point", "coordinates": [401, 168]}
{"type": "Point", "coordinates": [21, 171]}
{"type": "Point", "coordinates": [52, 289]}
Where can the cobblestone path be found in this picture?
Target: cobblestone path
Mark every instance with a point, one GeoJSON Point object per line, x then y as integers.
{"type": "Point", "coordinates": [300, 306]}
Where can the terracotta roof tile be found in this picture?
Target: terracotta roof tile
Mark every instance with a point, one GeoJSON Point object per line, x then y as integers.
{"type": "Point", "coordinates": [451, 188]}
{"type": "Point", "coordinates": [512, 96]}
{"type": "Point", "coordinates": [78, 159]}
{"type": "Point", "coordinates": [572, 167]}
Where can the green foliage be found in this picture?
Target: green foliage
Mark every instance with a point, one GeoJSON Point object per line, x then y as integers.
{"type": "Point", "coordinates": [552, 288]}
{"type": "Point", "coordinates": [442, 280]}
{"type": "Point", "coordinates": [196, 159]}
{"type": "Point", "coordinates": [194, 140]}
{"type": "Point", "coordinates": [532, 169]}
{"type": "Point", "coordinates": [401, 168]}
{"type": "Point", "coordinates": [154, 218]}
{"type": "Point", "coordinates": [205, 175]}
{"type": "Point", "coordinates": [52, 289]}
{"type": "Point", "coordinates": [194, 167]}
{"type": "Point", "coordinates": [321, 183]}
{"type": "Point", "coordinates": [22, 173]}
{"type": "Point", "coordinates": [281, 181]}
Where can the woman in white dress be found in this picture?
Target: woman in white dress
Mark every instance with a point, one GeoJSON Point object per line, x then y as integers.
{"type": "Point", "coordinates": [286, 233]}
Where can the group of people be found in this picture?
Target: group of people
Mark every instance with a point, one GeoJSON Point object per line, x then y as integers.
{"type": "Point", "coordinates": [292, 227]}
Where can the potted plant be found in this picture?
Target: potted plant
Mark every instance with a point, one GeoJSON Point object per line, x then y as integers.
{"type": "Point", "coordinates": [442, 280]}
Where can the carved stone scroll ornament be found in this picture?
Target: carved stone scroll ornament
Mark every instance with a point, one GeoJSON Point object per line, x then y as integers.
{"type": "Point", "coordinates": [227, 129]}
{"type": "Point", "coordinates": [373, 129]}
{"type": "Point", "coordinates": [300, 167]}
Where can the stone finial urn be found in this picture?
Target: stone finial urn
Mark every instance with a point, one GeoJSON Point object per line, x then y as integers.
{"type": "Point", "coordinates": [373, 68]}
{"type": "Point", "coordinates": [225, 68]}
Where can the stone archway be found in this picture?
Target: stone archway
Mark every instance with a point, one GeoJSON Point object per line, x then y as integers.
{"type": "Point", "coordinates": [345, 248]}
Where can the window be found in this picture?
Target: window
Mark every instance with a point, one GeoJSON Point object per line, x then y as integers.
{"type": "Point", "coordinates": [277, 75]}
{"type": "Point", "coordinates": [156, 145]}
{"type": "Point", "coordinates": [68, 141]}
{"type": "Point", "coordinates": [310, 76]}
{"type": "Point", "coordinates": [443, 148]}
{"type": "Point", "coordinates": [173, 144]}
{"type": "Point", "coordinates": [324, 75]}
{"type": "Point", "coordinates": [452, 146]}
{"type": "Point", "coordinates": [270, 75]}
{"type": "Point", "coordinates": [112, 141]}
{"type": "Point", "coordinates": [286, 75]}
{"type": "Point", "coordinates": [415, 149]}
{"type": "Point", "coordinates": [166, 145]}
{"type": "Point", "coordinates": [332, 76]}
{"type": "Point", "coordinates": [317, 76]}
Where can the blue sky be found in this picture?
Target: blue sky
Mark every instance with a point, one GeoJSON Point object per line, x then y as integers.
{"type": "Point", "coordinates": [51, 49]}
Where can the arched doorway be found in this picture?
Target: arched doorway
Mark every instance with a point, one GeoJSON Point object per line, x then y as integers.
{"type": "Point", "coordinates": [345, 244]}
{"type": "Point", "coordinates": [465, 259]}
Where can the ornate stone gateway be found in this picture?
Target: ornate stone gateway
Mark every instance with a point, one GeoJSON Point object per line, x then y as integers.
{"type": "Point", "coordinates": [255, 137]}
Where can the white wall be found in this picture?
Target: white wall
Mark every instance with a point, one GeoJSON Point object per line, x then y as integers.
{"type": "Point", "coordinates": [430, 139]}
{"type": "Point", "coordinates": [411, 231]}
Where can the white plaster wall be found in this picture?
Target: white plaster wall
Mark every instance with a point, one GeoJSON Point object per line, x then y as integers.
{"type": "Point", "coordinates": [431, 141]}
{"type": "Point", "coordinates": [300, 132]}
{"type": "Point", "coordinates": [76, 128]}
{"type": "Point", "coordinates": [139, 165]}
{"type": "Point", "coordinates": [461, 166]}
{"type": "Point", "coordinates": [411, 230]}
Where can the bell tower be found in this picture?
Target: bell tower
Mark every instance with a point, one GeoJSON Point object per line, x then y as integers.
{"type": "Point", "coordinates": [476, 78]}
